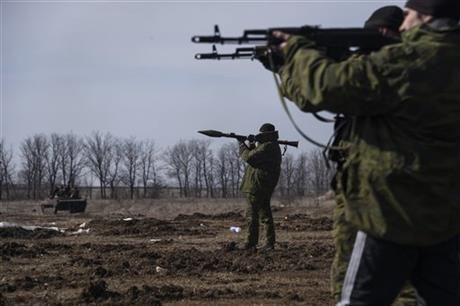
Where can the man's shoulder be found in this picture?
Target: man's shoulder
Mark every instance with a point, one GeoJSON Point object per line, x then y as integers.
{"type": "Point", "coordinates": [274, 147]}
{"type": "Point", "coordinates": [269, 146]}
{"type": "Point", "coordinates": [437, 31]}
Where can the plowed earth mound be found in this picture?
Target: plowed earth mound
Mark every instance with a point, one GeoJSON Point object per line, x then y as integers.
{"type": "Point", "coordinates": [148, 227]}
{"type": "Point", "coordinates": [21, 233]}
{"type": "Point", "coordinates": [305, 223]}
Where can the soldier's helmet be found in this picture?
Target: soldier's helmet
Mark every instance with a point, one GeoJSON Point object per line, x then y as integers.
{"type": "Point", "coordinates": [389, 17]}
{"type": "Point", "coordinates": [267, 133]}
{"type": "Point", "coordinates": [267, 128]}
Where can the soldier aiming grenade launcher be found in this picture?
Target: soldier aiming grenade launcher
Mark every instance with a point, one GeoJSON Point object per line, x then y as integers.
{"type": "Point", "coordinates": [251, 138]}
{"type": "Point", "coordinates": [336, 42]}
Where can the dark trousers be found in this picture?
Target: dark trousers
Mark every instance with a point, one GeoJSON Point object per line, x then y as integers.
{"type": "Point", "coordinates": [378, 270]}
{"type": "Point", "coordinates": [259, 210]}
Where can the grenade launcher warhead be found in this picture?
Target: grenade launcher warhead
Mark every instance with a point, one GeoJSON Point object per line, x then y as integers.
{"type": "Point", "coordinates": [336, 42]}
{"type": "Point", "coordinates": [252, 138]}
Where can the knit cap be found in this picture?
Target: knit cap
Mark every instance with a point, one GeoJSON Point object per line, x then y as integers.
{"type": "Point", "coordinates": [436, 8]}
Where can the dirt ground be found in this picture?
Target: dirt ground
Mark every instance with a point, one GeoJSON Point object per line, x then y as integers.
{"type": "Point", "coordinates": [161, 253]}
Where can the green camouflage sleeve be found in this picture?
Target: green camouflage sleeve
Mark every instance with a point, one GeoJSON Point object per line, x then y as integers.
{"type": "Point", "coordinates": [315, 82]}
{"type": "Point", "coordinates": [256, 157]}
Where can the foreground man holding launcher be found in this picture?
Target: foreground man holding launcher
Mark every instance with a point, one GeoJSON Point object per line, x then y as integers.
{"type": "Point", "coordinates": [401, 178]}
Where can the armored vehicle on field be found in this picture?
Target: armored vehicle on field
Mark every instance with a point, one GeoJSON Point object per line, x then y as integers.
{"type": "Point", "coordinates": [64, 199]}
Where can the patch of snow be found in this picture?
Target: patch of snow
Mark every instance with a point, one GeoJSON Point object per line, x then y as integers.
{"type": "Point", "coordinates": [235, 229]}
{"type": "Point", "coordinates": [30, 227]}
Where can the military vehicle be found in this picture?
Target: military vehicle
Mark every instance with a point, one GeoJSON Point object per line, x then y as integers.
{"type": "Point", "coordinates": [64, 199]}
{"type": "Point", "coordinates": [70, 205]}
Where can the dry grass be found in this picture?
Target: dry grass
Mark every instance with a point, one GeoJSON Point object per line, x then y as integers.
{"type": "Point", "coordinates": [170, 208]}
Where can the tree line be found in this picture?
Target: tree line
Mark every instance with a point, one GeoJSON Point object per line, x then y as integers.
{"type": "Point", "coordinates": [142, 170]}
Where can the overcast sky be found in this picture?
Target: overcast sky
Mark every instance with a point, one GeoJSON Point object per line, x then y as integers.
{"type": "Point", "coordinates": [128, 67]}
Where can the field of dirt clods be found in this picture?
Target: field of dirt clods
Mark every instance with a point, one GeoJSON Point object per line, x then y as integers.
{"type": "Point", "coordinates": [188, 259]}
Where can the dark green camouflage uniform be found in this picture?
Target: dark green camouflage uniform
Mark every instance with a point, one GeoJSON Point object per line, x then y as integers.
{"type": "Point", "coordinates": [401, 179]}
{"type": "Point", "coordinates": [259, 181]}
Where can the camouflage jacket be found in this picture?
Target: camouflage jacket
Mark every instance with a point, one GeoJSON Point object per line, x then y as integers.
{"type": "Point", "coordinates": [401, 177]}
{"type": "Point", "coordinates": [263, 168]}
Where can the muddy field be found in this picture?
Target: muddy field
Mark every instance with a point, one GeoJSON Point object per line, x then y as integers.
{"type": "Point", "coordinates": [187, 255]}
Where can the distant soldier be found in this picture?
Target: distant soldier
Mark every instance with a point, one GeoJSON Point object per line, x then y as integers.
{"type": "Point", "coordinates": [66, 193]}
{"type": "Point", "coordinates": [260, 179]}
{"type": "Point", "coordinates": [75, 193]}
{"type": "Point", "coordinates": [61, 191]}
{"type": "Point", "coordinates": [55, 193]}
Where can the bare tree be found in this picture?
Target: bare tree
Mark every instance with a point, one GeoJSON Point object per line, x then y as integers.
{"type": "Point", "coordinates": [149, 168]}
{"type": "Point", "coordinates": [6, 170]}
{"type": "Point", "coordinates": [197, 168]}
{"type": "Point", "coordinates": [210, 179]}
{"type": "Point", "coordinates": [200, 179]}
{"type": "Point", "coordinates": [113, 175]}
{"type": "Point", "coordinates": [131, 149]}
{"type": "Point", "coordinates": [205, 161]}
{"type": "Point", "coordinates": [179, 161]}
{"type": "Point", "coordinates": [223, 169]}
{"type": "Point", "coordinates": [300, 174]}
{"type": "Point", "coordinates": [72, 159]}
{"type": "Point", "coordinates": [99, 158]}
{"type": "Point", "coordinates": [319, 174]}
{"type": "Point", "coordinates": [286, 179]}
{"type": "Point", "coordinates": [34, 153]}
{"type": "Point", "coordinates": [27, 165]}
{"type": "Point", "coordinates": [53, 160]}
{"type": "Point", "coordinates": [236, 168]}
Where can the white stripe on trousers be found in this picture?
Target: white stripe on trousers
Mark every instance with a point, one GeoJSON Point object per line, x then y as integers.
{"type": "Point", "coordinates": [352, 270]}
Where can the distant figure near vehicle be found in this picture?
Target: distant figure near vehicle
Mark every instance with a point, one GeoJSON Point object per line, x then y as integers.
{"type": "Point", "coordinates": [55, 193]}
{"type": "Point", "coordinates": [74, 193]}
{"type": "Point", "coordinates": [64, 199]}
{"type": "Point", "coordinates": [262, 173]}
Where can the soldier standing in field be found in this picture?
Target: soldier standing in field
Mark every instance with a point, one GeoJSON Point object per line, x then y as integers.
{"type": "Point", "coordinates": [260, 178]}
{"type": "Point", "coordinates": [401, 177]}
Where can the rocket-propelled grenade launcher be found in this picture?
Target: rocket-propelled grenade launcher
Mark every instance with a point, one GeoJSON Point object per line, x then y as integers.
{"type": "Point", "coordinates": [251, 138]}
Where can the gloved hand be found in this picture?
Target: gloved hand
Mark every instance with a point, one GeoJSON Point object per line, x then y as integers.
{"type": "Point", "coordinates": [273, 57]}
{"type": "Point", "coordinates": [277, 59]}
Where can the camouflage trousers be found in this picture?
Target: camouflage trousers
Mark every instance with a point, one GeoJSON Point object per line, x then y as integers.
{"type": "Point", "coordinates": [344, 238]}
{"type": "Point", "coordinates": [259, 211]}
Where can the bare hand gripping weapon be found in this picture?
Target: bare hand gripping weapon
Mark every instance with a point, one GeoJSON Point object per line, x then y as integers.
{"type": "Point", "coordinates": [251, 138]}
{"type": "Point", "coordinates": [337, 42]}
